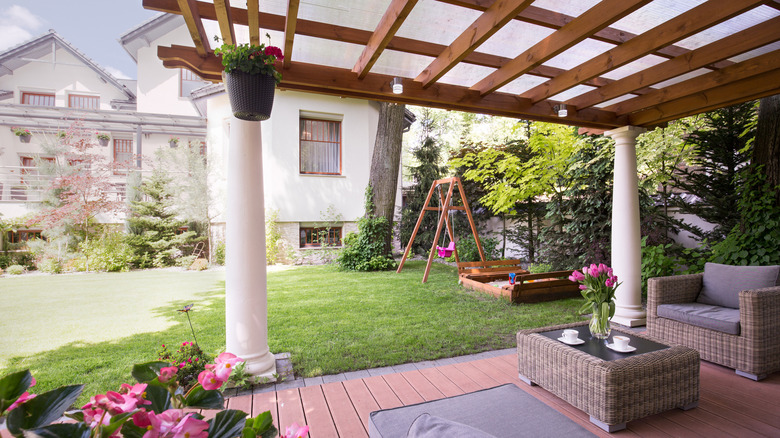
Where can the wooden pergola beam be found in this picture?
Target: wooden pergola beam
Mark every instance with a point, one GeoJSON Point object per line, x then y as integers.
{"type": "Point", "coordinates": [688, 23]}
{"type": "Point", "coordinates": [755, 66]}
{"type": "Point", "coordinates": [391, 21]}
{"type": "Point", "coordinates": [760, 85]}
{"type": "Point", "coordinates": [594, 19]}
{"type": "Point", "coordinates": [195, 26]}
{"type": "Point", "coordinates": [361, 37]}
{"type": "Point", "coordinates": [487, 24]}
{"type": "Point", "coordinates": [740, 42]}
{"type": "Point", "coordinates": [341, 82]}
{"type": "Point", "coordinates": [556, 20]}
{"type": "Point", "coordinates": [222, 8]}
{"type": "Point", "coordinates": [253, 21]}
{"type": "Point", "coordinates": [290, 23]}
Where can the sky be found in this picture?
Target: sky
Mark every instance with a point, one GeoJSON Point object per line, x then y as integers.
{"type": "Point", "coordinates": [92, 26]}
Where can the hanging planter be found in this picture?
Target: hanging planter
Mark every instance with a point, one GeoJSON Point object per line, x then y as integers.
{"type": "Point", "coordinates": [173, 142]}
{"type": "Point", "coordinates": [23, 134]}
{"type": "Point", "coordinates": [25, 138]}
{"type": "Point", "coordinates": [250, 78]}
{"type": "Point", "coordinates": [103, 139]}
{"type": "Point", "coordinates": [251, 96]}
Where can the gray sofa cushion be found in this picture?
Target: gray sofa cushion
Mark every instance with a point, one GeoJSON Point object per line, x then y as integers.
{"type": "Point", "coordinates": [721, 283]}
{"type": "Point", "coordinates": [428, 426]}
{"type": "Point", "coordinates": [722, 319]}
{"type": "Point", "coordinates": [501, 411]}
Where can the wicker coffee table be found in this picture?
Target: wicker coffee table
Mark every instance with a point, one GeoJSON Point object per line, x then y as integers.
{"type": "Point", "coordinates": [613, 388]}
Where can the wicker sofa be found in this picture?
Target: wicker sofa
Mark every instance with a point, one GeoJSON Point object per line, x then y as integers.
{"type": "Point", "coordinates": [754, 351]}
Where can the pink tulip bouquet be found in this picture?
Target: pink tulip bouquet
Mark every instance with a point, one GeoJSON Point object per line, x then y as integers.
{"type": "Point", "coordinates": [155, 407]}
{"type": "Point", "coordinates": [597, 285]}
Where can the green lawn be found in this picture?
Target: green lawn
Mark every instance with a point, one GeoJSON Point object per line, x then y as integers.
{"type": "Point", "coordinates": [91, 328]}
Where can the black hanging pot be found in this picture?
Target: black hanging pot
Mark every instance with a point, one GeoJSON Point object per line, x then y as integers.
{"type": "Point", "coordinates": [251, 96]}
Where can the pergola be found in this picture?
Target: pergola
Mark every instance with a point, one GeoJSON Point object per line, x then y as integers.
{"type": "Point", "coordinates": [616, 65]}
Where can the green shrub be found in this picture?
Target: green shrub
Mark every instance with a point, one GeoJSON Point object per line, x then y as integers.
{"type": "Point", "coordinates": [108, 252]}
{"type": "Point", "coordinates": [273, 237]}
{"type": "Point", "coordinates": [365, 251]}
{"type": "Point", "coordinates": [49, 265]}
{"type": "Point", "coordinates": [539, 268]}
{"type": "Point", "coordinates": [468, 252]}
{"type": "Point", "coordinates": [199, 265]}
{"type": "Point", "coordinates": [15, 270]}
{"type": "Point", "coordinates": [219, 253]}
{"type": "Point", "coordinates": [185, 261]}
{"type": "Point", "coordinates": [17, 258]}
{"type": "Point", "coordinates": [190, 359]}
{"type": "Point", "coordinates": [668, 259]}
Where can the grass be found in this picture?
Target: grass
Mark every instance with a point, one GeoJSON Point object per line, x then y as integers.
{"type": "Point", "coordinates": [330, 321]}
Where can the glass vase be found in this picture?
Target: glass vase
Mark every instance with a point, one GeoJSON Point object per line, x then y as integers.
{"type": "Point", "coordinates": [599, 321]}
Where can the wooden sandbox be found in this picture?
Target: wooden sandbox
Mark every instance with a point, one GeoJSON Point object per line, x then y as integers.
{"type": "Point", "coordinates": [492, 277]}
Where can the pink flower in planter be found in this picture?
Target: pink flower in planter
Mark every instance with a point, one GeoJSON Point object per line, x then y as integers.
{"type": "Point", "coordinates": [295, 431]}
{"type": "Point", "coordinates": [209, 380]}
{"type": "Point", "coordinates": [167, 374]}
{"type": "Point", "coordinates": [190, 427]}
{"type": "Point", "coordinates": [159, 425]}
{"type": "Point", "coordinates": [274, 51]}
{"type": "Point", "coordinates": [223, 365]}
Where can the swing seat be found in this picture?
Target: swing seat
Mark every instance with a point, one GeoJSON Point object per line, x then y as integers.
{"type": "Point", "coordinates": [446, 252]}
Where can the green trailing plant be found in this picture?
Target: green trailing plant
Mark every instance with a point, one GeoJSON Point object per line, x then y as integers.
{"type": "Point", "coordinates": [102, 136]}
{"type": "Point", "coordinates": [251, 59]}
{"type": "Point", "coordinates": [364, 251]}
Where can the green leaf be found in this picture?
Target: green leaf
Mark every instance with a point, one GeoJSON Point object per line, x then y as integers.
{"type": "Point", "coordinates": [146, 372]}
{"type": "Point", "coordinates": [201, 398]}
{"type": "Point", "coordinates": [43, 409]}
{"type": "Point", "coordinates": [63, 430]}
{"type": "Point", "coordinates": [130, 430]}
{"type": "Point", "coordinates": [160, 398]}
{"type": "Point", "coordinates": [115, 423]}
{"type": "Point", "coordinates": [227, 424]}
{"type": "Point", "coordinates": [12, 386]}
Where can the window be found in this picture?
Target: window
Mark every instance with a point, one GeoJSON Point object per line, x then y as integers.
{"type": "Point", "coordinates": [121, 191]}
{"type": "Point", "coordinates": [39, 99]}
{"type": "Point", "coordinates": [189, 82]}
{"type": "Point", "coordinates": [30, 167]}
{"type": "Point", "coordinates": [123, 151]}
{"type": "Point", "coordinates": [320, 147]}
{"type": "Point", "coordinates": [86, 102]}
{"type": "Point", "coordinates": [23, 235]}
{"type": "Point", "coordinates": [317, 237]}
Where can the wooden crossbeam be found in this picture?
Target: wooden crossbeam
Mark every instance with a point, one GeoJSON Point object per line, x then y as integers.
{"type": "Point", "coordinates": [686, 24]}
{"type": "Point", "coordinates": [556, 20]}
{"type": "Point", "coordinates": [765, 84]}
{"type": "Point", "coordinates": [594, 19]}
{"type": "Point", "coordinates": [222, 8]}
{"type": "Point", "coordinates": [191, 16]}
{"type": "Point", "coordinates": [487, 24]}
{"type": "Point", "coordinates": [759, 65]}
{"type": "Point", "coordinates": [290, 23]}
{"type": "Point", "coordinates": [740, 42]}
{"type": "Point", "coordinates": [391, 21]}
{"type": "Point", "coordinates": [253, 21]}
{"type": "Point", "coordinates": [341, 82]}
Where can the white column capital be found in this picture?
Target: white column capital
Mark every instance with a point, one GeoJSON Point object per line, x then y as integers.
{"type": "Point", "coordinates": [625, 133]}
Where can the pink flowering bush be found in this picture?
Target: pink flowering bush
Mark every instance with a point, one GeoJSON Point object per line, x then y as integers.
{"type": "Point", "coordinates": [152, 408]}
{"type": "Point", "coordinates": [188, 359]}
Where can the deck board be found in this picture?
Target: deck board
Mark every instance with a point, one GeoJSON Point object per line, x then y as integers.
{"type": "Point", "coordinates": [423, 387]}
{"type": "Point", "coordinates": [402, 389]}
{"type": "Point", "coordinates": [362, 399]}
{"type": "Point", "coordinates": [382, 393]}
{"type": "Point", "coordinates": [317, 413]}
{"type": "Point", "coordinates": [290, 407]}
{"type": "Point", "coordinates": [344, 415]}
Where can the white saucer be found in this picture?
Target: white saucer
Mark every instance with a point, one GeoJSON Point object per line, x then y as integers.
{"type": "Point", "coordinates": [628, 349]}
{"type": "Point", "coordinates": [577, 342]}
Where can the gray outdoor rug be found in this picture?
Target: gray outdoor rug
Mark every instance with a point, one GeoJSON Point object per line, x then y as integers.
{"type": "Point", "coordinates": [503, 411]}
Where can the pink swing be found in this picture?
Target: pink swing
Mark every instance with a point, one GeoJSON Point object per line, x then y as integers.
{"type": "Point", "coordinates": [446, 252]}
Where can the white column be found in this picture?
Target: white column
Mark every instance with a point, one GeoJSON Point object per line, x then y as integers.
{"type": "Point", "coordinates": [246, 295]}
{"type": "Point", "coordinates": [626, 237]}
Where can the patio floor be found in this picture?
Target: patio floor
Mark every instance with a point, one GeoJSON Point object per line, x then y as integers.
{"type": "Point", "coordinates": [338, 406]}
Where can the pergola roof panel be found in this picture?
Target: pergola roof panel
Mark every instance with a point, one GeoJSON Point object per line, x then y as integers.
{"type": "Point", "coordinates": [610, 62]}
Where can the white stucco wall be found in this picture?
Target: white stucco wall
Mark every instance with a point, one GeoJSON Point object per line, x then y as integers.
{"type": "Point", "coordinates": [297, 197]}
{"type": "Point", "coordinates": [158, 87]}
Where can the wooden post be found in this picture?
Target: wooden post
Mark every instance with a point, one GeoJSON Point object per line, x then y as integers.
{"type": "Point", "coordinates": [416, 227]}
{"type": "Point", "coordinates": [438, 233]}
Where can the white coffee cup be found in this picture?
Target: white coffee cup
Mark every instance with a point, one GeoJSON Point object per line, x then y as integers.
{"type": "Point", "coordinates": [570, 335]}
{"type": "Point", "coordinates": [621, 342]}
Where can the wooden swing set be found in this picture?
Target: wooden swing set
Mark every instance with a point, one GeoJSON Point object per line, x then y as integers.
{"type": "Point", "coordinates": [444, 208]}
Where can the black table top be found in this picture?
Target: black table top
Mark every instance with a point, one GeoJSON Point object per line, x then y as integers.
{"type": "Point", "coordinates": [598, 347]}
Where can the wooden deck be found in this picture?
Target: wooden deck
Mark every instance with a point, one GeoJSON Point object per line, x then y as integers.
{"type": "Point", "coordinates": [729, 405]}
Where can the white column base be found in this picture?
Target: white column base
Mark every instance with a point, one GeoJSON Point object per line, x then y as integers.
{"type": "Point", "coordinates": [630, 322]}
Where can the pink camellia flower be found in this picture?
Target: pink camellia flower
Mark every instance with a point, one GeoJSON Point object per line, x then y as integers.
{"type": "Point", "coordinates": [209, 380]}
{"type": "Point", "coordinates": [224, 364]}
{"type": "Point", "coordinates": [295, 431]}
{"type": "Point", "coordinates": [190, 427]}
{"type": "Point", "coordinates": [274, 51]}
{"type": "Point", "coordinates": [167, 374]}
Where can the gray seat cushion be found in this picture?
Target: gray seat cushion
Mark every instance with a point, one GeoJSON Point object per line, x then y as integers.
{"type": "Point", "coordinates": [496, 411]}
{"type": "Point", "coordinates": [721, 283]}
{"type": "Point", "coordinates": [722, 319]}
{"type": "Point", "coordinates": [428, 426]}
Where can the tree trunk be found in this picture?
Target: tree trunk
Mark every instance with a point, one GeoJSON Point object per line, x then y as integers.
{"type": "Point", "coordinates": [766, 149]}
{"type": "Point", "coordinates": [385, 164]}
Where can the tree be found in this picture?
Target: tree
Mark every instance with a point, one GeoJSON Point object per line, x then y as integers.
{"type": "Point", "coordinates": [766, 149]}
{"type": "Point", "coordinates": [424, 173]}
{"type": "Point", "coordinates": [714, 177]}
{"type": "Point", "coordinates": [385, 164]}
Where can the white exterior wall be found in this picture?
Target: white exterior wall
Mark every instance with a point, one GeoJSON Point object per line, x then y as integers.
{"type": "Point", "coordinates": [158, 87]}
